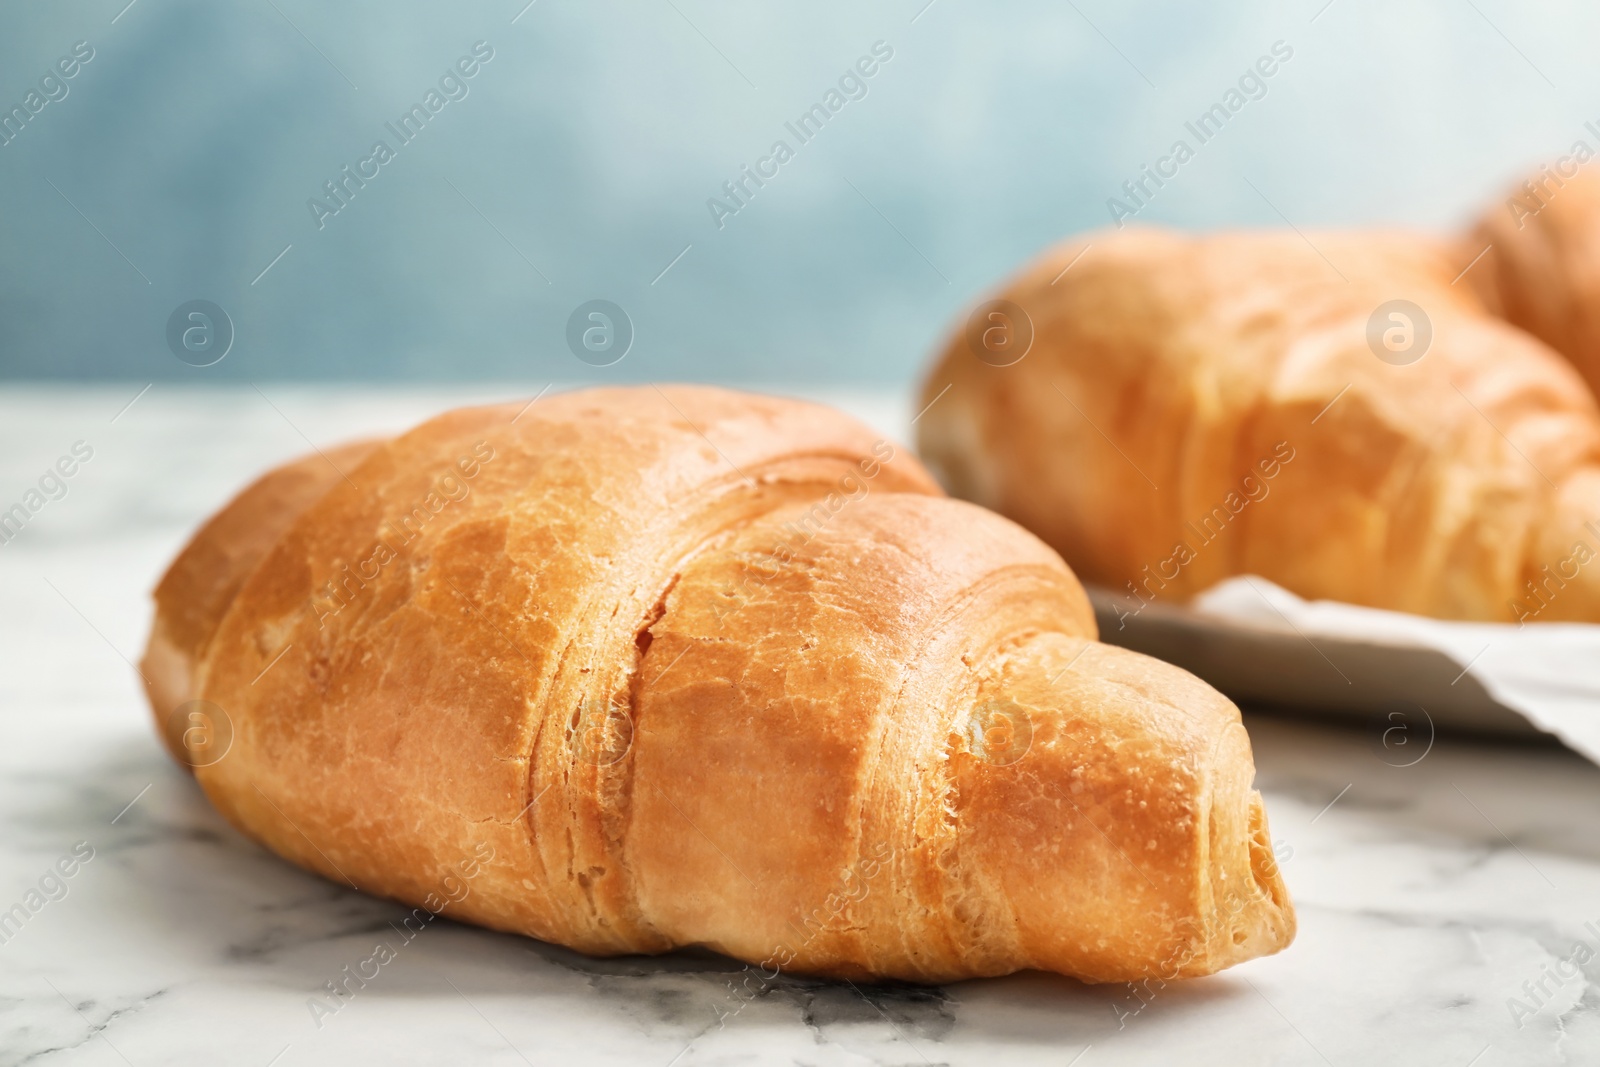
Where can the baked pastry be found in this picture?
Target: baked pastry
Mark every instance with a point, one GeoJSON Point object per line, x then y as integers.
{"type": "Point", "coordinates": [632, 669]}
{"type": "Point", "coordinates": [1326, 411]}
{"type": "Point", "coordinates": [206, 576]}
{"type": "Point", "coordinates": [1535, 261]}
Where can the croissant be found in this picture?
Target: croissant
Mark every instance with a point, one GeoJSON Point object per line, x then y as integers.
{"type": "Point", "coordinates": [1535, 261]}
{"type": "Point", "coordinates": [634, 669]}
{"type": "Point", "coordinates": [1327, 411]}
{"type": "Point", "coordinates": [206, 576]}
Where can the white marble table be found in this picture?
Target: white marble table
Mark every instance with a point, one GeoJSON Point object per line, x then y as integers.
{"type": "Point", "coordinates": [1428, 895]}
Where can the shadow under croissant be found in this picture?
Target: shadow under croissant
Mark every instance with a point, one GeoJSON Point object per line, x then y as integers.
{"type": "Point", "coordinates": [211, 896]}
{"type": "Point", "coordinates": [214, 899]}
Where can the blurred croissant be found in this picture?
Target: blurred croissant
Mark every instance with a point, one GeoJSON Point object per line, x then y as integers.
{"type": "Point", "coordinates": [633, 669]}
{"type": "Point", "coordinates": [1534, 259]}
{"type": "Point", "coordinates": [1328, 411]}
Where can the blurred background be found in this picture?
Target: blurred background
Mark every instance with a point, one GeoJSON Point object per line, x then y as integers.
{"type": "Point", "coordinates": [190, 155]}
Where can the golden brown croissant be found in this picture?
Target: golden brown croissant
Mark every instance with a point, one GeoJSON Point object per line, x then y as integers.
{"type": "Point", "coordinates": [1197, 407]}
{"type": "Point", "coordinates": [1535, 260]}
{"type": "Point", "coordinates": [633, 669]}
{"type": "Point", "coordinates": [206, 576]}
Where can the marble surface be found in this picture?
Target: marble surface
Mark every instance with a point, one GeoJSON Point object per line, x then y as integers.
{"type": "Point", "coordinates": [1428, 894]}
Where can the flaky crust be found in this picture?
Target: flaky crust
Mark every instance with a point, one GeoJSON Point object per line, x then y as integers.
{"type": "Point", "coordinates": [205, 577]}
{"type": "Point", "coordinates": [1197, 407]}
{"type": "Point", "coordinates": [645, 668]}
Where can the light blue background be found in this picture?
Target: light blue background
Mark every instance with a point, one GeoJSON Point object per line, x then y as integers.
{"type": "Point", "coordinates": [595, 136]}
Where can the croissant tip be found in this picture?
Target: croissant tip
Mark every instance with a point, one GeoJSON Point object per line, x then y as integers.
{"type": "Point", "coordinates": [1259, 919]}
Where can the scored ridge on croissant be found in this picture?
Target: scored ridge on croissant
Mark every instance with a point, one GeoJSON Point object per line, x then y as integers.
{"type": "Point", "coordinates": [695, 667]}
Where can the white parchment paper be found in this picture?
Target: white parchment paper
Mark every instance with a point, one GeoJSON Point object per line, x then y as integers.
{"type": "Point", "coordinates": [1547, 672]}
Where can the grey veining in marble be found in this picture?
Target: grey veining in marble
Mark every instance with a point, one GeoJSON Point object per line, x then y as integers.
{"type": "Point", "coordinates": [1433, 899]}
